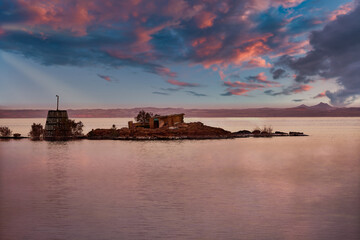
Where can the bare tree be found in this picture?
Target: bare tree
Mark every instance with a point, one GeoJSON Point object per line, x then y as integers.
{"type": "Point", "coordinates": [143, 117]}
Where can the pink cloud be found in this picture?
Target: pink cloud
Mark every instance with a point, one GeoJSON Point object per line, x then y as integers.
{"type": "Point", "coordinates": [292, 48]}
{"type": "Point", "coordinates": [320, 95]}
{"type": "Point", "coordinates": [205, 19]}
{"type": "Point", "coordinates": [246, 53]}
{"type": "Point", "coordinates": [260, 5]}
{"type": "Point", "coordinates": [262, 78]}
{"type": "Point", "coordinates": [222, 75]}
{"type": "Point", "coordinates": [58, 15]}
{"type": "Point", "coordinates": [257, 62]}
{"type": "Point", "coordinates": [236, 84]}
{"type": "Point", "coordinates": [165, 72]}
{"type": "Point", "coordinates": [301, 88]}
{"type": "Point", "coordinates": [117, 53]}
{"type": "Point", "coordinates": [236, 91]}
{"type": "Point", "coordinates": [181, 84]}
{"type": "Point", "coordinates": [288, 3]}
{"type": "Point", "coordinates": [342, 10]}
{"type": "Point", "coordinates": [207, 46]}
{"type": "Point", "coordinates": [254, 83]}
{"type": "Point", "coordinates": [107, 78]}
{"type": "Point", "coordinates": [198, 41]}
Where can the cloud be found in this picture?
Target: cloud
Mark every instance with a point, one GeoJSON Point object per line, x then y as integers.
{"type": "Point", "coordinates": [196, 94]}
{"type": "Point", "coordinates": [303, 24]}
{"type": "Point", "coordinates": [143, 34]}
{"type": "Point", "coordinates": [298, 100]}
{"type": "Point", "coordinates": [320, 95]}
{"type": "Point", "coordinates": [288, 3]}
{"type": "Point", "coordinates": [342, 10]}
{"type": "Point", "coordinates": [182, 84]}
{"type": "Point", "coordinates": [171, 89]}
{"type": "Point", "coordinates": [205, 19]}
{"type": "Point", "coordinates": [252, 83]}
{"type": "Point", "coordinates": [278, 73]}
{"type": "Point", "coordinates": [236, 91]}
{"type": "Point", "coordinates": [151, 35]}
{"type": "Point", "coordinates": [334, 55]}
{"type": "Point", "coordinates": [236, 84]}
{"type": "Point", "coordinates": [257, 62]}
{"type": "Point", "coordinates": [261, 78]}
{"type": "Point", "coordinates": [160, 93]}
{"type": "Point", "coordinates": [162, 71]}
{"type": "Point", "coordinates": [107, 78]}
{"type": "Point", "coordinates": [293, 89]}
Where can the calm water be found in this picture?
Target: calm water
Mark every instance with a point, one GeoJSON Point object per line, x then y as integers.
{"type": "Point", "coordinates": [255, 188]}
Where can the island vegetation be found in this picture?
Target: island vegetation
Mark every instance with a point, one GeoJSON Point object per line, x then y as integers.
{"type": "Point", "coordinates": [5, 131]}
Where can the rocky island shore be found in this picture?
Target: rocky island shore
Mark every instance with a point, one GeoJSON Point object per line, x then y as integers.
{"type": "Point", "coordinates": [194, 130]}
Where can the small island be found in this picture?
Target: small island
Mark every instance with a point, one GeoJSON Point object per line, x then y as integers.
{"type": "Point", "coordinates": [173, 127]}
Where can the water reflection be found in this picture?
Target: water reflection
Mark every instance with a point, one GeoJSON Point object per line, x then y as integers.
{"type": "Point", "coordinates": [279, 188]}
{"type": "Point", "coordinates": [58, 186]}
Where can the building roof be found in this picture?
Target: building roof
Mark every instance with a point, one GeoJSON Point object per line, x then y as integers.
{"type": "Point", "coordinates": [171, 115]}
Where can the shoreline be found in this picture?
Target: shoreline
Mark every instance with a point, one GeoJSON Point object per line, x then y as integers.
{"type": "Point", "coordinates": [180, 131]}
{"type": "Point", "coordinates": [154, 138]}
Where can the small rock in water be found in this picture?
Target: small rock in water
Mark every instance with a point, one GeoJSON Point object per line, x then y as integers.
{"type": "Point", "coordinates": [296, 133]}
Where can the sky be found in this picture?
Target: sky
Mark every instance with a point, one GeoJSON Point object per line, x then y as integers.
{"type": "Point", "coordinates": [179, 53]}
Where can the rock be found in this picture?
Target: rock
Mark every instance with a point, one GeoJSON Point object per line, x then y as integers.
{"type": "Point", "coordinates": [296, 134]}
{"type": "Point", "coordinates": [243, 132]}
{"type": "Point", "coordinates": [278, 133]}
{"type": "Point", "coordinates": [256, 132]}
{"type": "Point", "coordinates": [196, 130]}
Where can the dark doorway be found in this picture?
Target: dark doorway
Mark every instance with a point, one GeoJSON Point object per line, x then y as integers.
{"type": "Point", "coordinates": [156, 123]}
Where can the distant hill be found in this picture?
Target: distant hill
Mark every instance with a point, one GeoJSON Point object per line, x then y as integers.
{"type": "Point", "coordinates": [319, 110]}
{"type": "Point", "coordinates": [322, 107]}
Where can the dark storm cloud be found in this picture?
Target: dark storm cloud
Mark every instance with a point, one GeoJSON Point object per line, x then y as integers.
{"type": "Point", "coordinates": [335, 54]}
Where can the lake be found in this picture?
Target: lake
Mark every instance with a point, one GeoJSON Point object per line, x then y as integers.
{"type": "Point", "coordinates": [246, 188]}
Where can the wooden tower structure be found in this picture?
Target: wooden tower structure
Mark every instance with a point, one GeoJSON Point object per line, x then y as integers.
{"type": "Point", "coordinates": [56, 127]}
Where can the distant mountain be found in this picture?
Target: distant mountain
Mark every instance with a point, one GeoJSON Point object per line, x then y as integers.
{"type": "Point", "coordinates": [323, 106]}
{"type": "Point", "coordinates": [302, 106]}
{"type": "Point", "coordinates": [319, 110]}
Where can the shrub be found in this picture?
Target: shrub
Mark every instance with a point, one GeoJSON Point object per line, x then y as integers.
{"type": "Point", "coordinates": [69, 128]}
{"type": "Point", "coordinates": [267, 130]}
{"type": "Point", "coordinates": [76, 128]}
{"type": "Point", "coordinates": [5, 131]}
{"type": "Point", "coordinates": [37, 131]}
